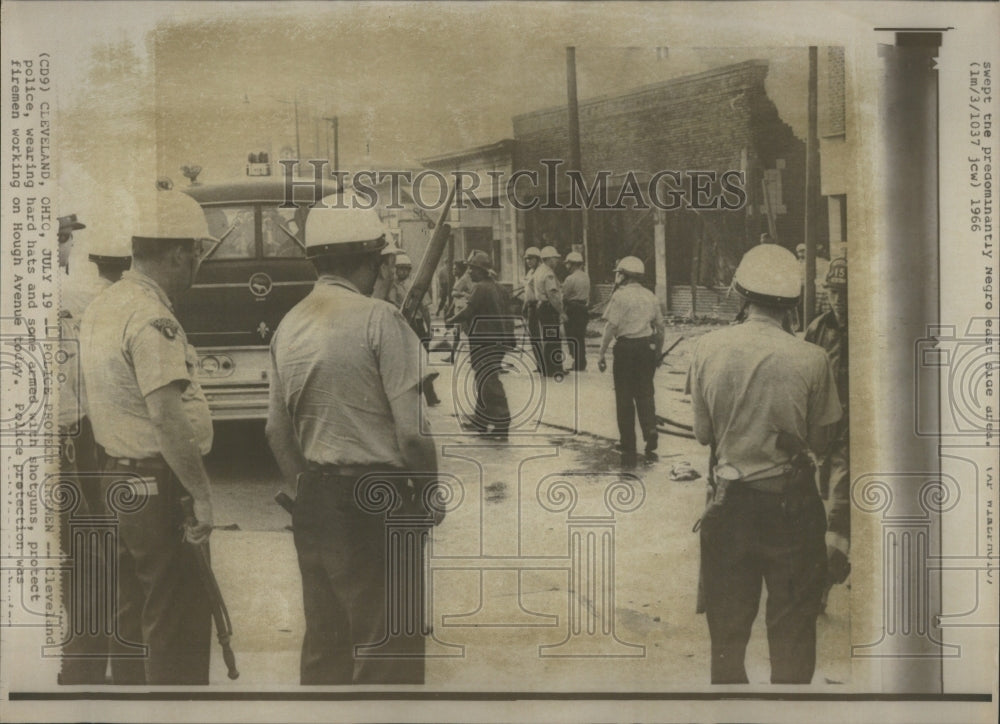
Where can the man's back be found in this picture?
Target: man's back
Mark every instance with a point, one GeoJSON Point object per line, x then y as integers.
{"type": "Point", "coordinates": [750, 381]}
{"type": "Point", "coordinates": [338, 378]}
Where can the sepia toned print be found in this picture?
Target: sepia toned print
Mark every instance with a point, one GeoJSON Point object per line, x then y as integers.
{"type": "Point", "coordinates": [498, 361]}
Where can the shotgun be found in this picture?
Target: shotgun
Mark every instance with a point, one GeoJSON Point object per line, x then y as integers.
{"type": "Point", "coordinates": [223, 626]}
{"type": "Point", "coordinates": [411, 307]}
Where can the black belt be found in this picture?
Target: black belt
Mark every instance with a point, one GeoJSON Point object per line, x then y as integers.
{"type": "Point", "coordinates": [576, 302]}
{"type": "Point", "coordinates": [633, 340]}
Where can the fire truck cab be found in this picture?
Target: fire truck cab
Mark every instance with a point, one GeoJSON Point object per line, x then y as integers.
{"type": "Point", "coordinates": [247, 282]}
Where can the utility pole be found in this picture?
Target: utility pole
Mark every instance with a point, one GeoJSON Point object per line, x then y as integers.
{"type": "Point", "coordinates": [335, 122]}
{"type": "Point", "coordinates": [577, 224]}
{"type": "Point", "coordinates": [812, 193]}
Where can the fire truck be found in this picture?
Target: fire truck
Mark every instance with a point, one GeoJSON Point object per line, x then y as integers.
{"type": "Point", "coordinates": [248, 280]}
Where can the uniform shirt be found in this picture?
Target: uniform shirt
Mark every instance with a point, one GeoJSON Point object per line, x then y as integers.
{"type": "Point", "coordinates": [461, 291]}
{"type": "Point", "coordinates": [576, 287]}
{"type": "Point", "coordinates": [547, 286]}
{"type": "Point", "coordinates": [752, 380]}
{"type": "Point", "coordinates": [529, 286]}
{"type": "Point", "coordinates": [827, 332]}
{"type": "Point", "coordinates": [634, 311]}
{"type": "Point", "coordinates": [72, 397]}
{"type": "Point", "coordinates": [131, 345]}
{"type": "Point", "coordinates": [338, 359]}
{"type": "Point", "coordinates": [398, 291]}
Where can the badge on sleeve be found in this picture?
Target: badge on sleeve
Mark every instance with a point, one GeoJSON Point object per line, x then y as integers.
{"type": "Point", "coordinates": [167, 327]}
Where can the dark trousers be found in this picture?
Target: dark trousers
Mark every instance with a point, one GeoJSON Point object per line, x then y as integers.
{"type": "Point", "coordinates": [534, 334]}
{"type": "Point", "coordinates": [363, 608]}
{"type": "Point", "coordinates": [551, 340]}
{"type": "Point", "coordinates": [576, 332]}
{"type": "Point", "coordinates": [491, 399]}
{"type": "Point", "coordinates": [778, 539]}
{"type": "Point", "coordinates": [85, 651]}
{"type": "Point", "coordinates": [633, 368]}
{"type": "Point", "coordinates": [162, 602]}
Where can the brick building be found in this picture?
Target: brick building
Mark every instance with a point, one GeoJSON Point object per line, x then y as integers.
{"type": "Point", "coordinates": [719, 120]}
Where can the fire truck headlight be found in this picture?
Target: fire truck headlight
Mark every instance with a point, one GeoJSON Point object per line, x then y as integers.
{"type": "Point", "coordinates": [210, 365]}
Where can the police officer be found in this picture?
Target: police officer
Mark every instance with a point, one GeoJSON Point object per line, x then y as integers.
{"type": "Point", "coordinates": [490, 338]}
{"type": "Point", "coordinates": [398, 289]}
{"type": "Point", "coordinates": [67, 225]}
{"type": "Point", "coordinates": [829, 331]}
{"type": "Point", "coordinates": [576, 297]}
{"type": "Point", "coordinates": [635, 323]}
{"type": "Point", "coordinates": [153, 421]}
{"type": "Point", "coordinates": [345, 371]}
{"type": "Point", "coordinates": [460, 292]}
{"type": "Point", "coordinates": [763, 399]}
{"type": "Point", "coordinates": [550, 312]}
{"type": "Point", "coordinates": [531, 262]}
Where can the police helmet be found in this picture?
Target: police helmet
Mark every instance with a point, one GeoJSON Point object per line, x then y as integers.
{"type": "Point", "coordinates": [631, 265]}
{"type": "Point", "coordinates": [836, 275]}
{"type": "Point", "coordinates": [481, 260]}
{"type": "Point", "coordinates": [574, 257]}
{"type": "Point", "coordinates": [170, 215]}
{"type": "Point", "coordinates": [769, 275]}
{"type": "Point", "coordinates": [532, 251]}
{"type": "Point", "coordinates": [116, 250]}
{"type": "Point", "coordinates": [549, 252]}
{"type": "Point", "coordinates": [339, 230]}
{"type": "Point", "coordinates": [391, 250]}
{"type": "Point", "coordinates": [402, 260]}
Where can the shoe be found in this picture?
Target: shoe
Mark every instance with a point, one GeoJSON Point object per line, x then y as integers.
{"type": "Point", "coordinates": [651, 457]}
{"type": "Point", "coordinates": [629, 460]}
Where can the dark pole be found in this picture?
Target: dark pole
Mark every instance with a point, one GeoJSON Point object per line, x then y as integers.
{"type": "Point", "coordinates": [334, 121]}
{"type": "Point", "coordinates": [812, 193]}
{"type": "Point", "coordinates": [578, 225]}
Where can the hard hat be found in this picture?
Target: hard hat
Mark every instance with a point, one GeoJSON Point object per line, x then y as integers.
{"type": "Point", "coordinates": [403, 260]}
{"type": "Point", "coordinates": [769, 274]}
{"type": "Point", "coordinates": [836, 274]}
{"type": "Point", "coordinates": [631, 265]}
{"type": "Point", "coordinates": [531, 251]}
{"type": "Point", "coordinates": [481, 260]}
{"type": "Point", "coordinates": [800, 247]}
{"type": "Point", "coordinates": [332, 228]}
{"type": "Point", "coordinates": [391, 250]}
{"type": "Point", "coordinates": [549, 252]}
{"type": "Point", "coordinates": [69, 223]}
{"type": "Point", "coordinates": [113, 250]}
{"type": "Point", "coordinates": [574, 257]}
{"type": "Point", "coordinates": [170, 215]}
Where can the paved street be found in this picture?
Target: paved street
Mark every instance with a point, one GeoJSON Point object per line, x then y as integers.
{"type": "Point", "coordinates": [552, 552]}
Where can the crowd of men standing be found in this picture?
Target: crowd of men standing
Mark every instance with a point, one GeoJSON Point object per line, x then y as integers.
{"type": "Point", "coordinates": [346, 374]}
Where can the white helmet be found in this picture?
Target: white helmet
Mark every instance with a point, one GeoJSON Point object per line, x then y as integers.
{"type": "Point", "coordinates": [110, 250]}
{"type": "Point", "coordinates": [531, 251]}
{"type": "Point", "coordinates": [574, 257]}
{"type": "Point", "coordinates": [631, 265]}
{"type": "Point", "coordinates": [170, 215]}
{"type": "Point", "coordinates": [391, 250]}
{"type": "Point", "coordinates": [769, 275]}
{"type": "Point", "coordinates": [403, 260]}
{"type": "Point", "coordinates": [549, 252]}
{"type": "Point", "coordinates": [350, 230]}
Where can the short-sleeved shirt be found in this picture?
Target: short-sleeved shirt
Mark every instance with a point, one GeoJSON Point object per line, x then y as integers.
{"type": "Point", "coordinates": [131, 345]}
{"type": "Point", "coordinates": [753, 380]}
{"type": "Point", "coordinates": [634, 311]}
{"type": "Point", "coordinates": [72, 395]}
{"type": "Point", "coordinates": [576, 287]}
{"type": "Point", "coordinates": [529, 286]}
{"type": "Point", "coordinates": [547, 286]}
{"type": "Point", "coordinates": [338, 360]}
{"type": "Point", "coordinates": [461, 291]}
